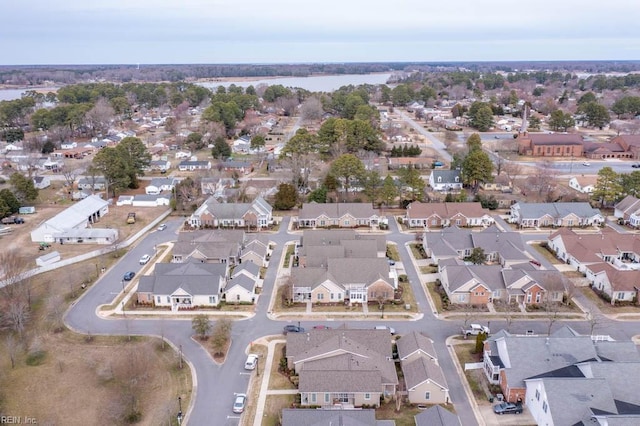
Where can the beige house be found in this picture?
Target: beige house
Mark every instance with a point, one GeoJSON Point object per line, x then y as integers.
{"type": "Point", "coordinates": [342, 368]}
{"type": "Point", "coordinates": [424, 379]}
{"type": "Point", "coordinates": [341, 215]}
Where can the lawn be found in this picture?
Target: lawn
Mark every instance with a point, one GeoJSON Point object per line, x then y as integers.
{"type": "Point", "coordinates": [404, 417]}
{"type": "Point", "coordinates": [605, 307]}
{"type": "Point", "coordinates": [415, 250]}
{"type": "Point", "coordinates": [463, 352]}
{"type": "Point", "coordinates": [392, 252]}
{"type": "Point", "coordinates": [428, 269]}
{"type": "Point", "coordinates": [546, 253]}
{"type": "Point", "coordinates": [273, 408]}
{"type": "Point", "coordinates": [287, 257]}
{"type": "Point", "coordinates": [277, 379]}
{"type": "Point", "coordinates": [435, 296]}
{"type": "Point", "coordinates": [93, 377]}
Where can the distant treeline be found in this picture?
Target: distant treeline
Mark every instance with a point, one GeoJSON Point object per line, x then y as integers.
{"type": "Point", "coordinates": [31, 75]}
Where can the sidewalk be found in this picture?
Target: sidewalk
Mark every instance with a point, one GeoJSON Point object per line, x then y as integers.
{"type": "Point", "coordinates": [264, 386]}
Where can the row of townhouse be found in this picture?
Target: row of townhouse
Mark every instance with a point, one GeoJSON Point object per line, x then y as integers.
{"type": "Point", "coordinates": [212, 213]}
{"type": "Point", "coordinates": [340, 215]}
{"type": "Point", "coordinates": [338, 266]}
{"type": "Point", "coordinates": [510, 274]}
{"type": "Point", "coordinates": [609, 260]}
{"type": "Point", "coordinates": [533, 215]}
{"type": "Point", "coordinates": [207, 267]}
{"type": "Point", "coordinates": [566, 378]}
{"type": "Point", "coordinates": [438, 215]}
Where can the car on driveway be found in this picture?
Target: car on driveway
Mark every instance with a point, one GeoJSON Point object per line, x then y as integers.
{"type": "Point", "coordinates": [162, 227]}
{"type": "Point", "coordinates": [292, 329]}
{"type": "Point", "coordinates": [239, 403]}
{"type": "Point", "coordinates": [507, 408]}
{"type": "Point", "coordinates": [251, 362]}
{"type": "Point", "coordinates": [145, 259]}
{"type": "Point", "coordinates": [129, 276]}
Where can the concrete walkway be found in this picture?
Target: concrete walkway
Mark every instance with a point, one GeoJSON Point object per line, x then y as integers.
{"type": "Point", "coordinates": [264, 386]}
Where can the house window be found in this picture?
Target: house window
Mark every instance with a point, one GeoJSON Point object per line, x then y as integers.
{"type": "Point", "coordinates": [331, 297]}
{"type": "Point", "coordinates": [461, 298]}
{"type": "Point", "coordinates": [427, 396]}
{"type": "Point", "coordinates": [620, 295]}
{"type": "Point", "coordinates": [529, 297]}
{"type": "Point", "coordinates": [367, 396]}
{"type": "Point", "coordinates": [168, 299]}
{"type": "Point", "coordinates": [570, 222]}
{"type": "Point", "coordinates": [326, 397]}
{"type": "Point", "coordinates": [342, 397]}
{"type": "Point", "coordinates": [320, 296]}
{"type": "Point", "coordinates": [339, 296]}
{"type": "Point", "coordinates": [158, 299]}
{"type": "Point", "coordinates": [322, 223]}
{"type": "Point", "coordinates": [434, 222]}
{"type": "Point", "coordinates": [212, 299]}
{"type": "Point", "coordinates": [538, 297]}
{"type": "Point", "coordinates": [346, 222]}
{"type": "Point", "coordinates": [458, 222]}
{"type": "Point", "coordinates": [537, 394]}
{"type": "Point", "coordinates": [544, 406]}
{"type": "Point", "coordinates": [313, 397]}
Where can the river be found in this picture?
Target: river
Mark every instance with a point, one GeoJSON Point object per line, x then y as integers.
{"type": "Point", "coordinates": [316, 83]}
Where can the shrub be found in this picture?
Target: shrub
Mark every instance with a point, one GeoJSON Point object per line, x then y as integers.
{"type": "Point", "coordinates": [36, 357]}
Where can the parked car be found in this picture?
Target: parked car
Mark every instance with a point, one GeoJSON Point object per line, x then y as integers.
{"type": "Point", "coordinates": [162, 227]}
{"type": "Point", "coordinates": [507, 408]}
{"type": "Point", "coordinates": [475, 329]}
{"type": "Point", "coordinates": [586, 163]}
{"type": "Point", "coordinates": [251, 362]}
{"type": "Point", "coordinates": [239, 403]}
{"type": "Point", "coordinates": [391, 261]}
{"type": "Point", "coordinates": [129, 276]}
{"type": "Point", "coordinates": [292, 329]}
{"type": "Point", "coordinates": [145, 259]}
{"type": "Point", "coordinates": [635, 165]}
{"type": "Point", "coordinates": [384, 327]}
{"type": "Point", "coordinates": [321, 327]}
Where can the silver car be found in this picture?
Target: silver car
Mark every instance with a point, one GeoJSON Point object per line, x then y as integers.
{"type": "Point", "coordinates": [239, 403]}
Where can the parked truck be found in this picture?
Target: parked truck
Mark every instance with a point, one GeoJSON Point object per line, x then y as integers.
{"type": "Point", "coordinates": [9, 220]}
{"type": "Point", "coordinates": [131, 218]}
{"type": "Point", "coordinates": [475, 329]}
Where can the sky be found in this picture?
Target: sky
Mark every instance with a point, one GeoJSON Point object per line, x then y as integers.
{"type": "Point", "coordinates": [287, 31]}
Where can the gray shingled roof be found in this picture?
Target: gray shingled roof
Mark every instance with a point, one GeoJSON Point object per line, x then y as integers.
{"type": "Point", "coordinates": [459, 275]}
{"type": "Point", "coordinates": [415, 342]}
{"type": "Point", "coordinates": [437, 416]}
{"type": "Point", "coordinates": [314, 417]}
{"type": "Point", "coordinates": [250, 267]}
{"type": "Point", "coordinates": [340, 381]}
{"type": "Point", "coordinates": [447, 176]}
{"type": "Point", "coordinates": [202, 235]}
{"type": "Point", "coordinates": [556, 210]}
{"type": "Point", "coordinates": [194, 278]}
{"type": "Point", "coordinates": [420, 370]}
{"type": "Point", "coordinates": [336, 210]}
{"type": "Point", "coordinates": [242, 281]}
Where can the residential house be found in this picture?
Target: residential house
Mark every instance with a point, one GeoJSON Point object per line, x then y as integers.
{"type": "Point", "coordinates": [628, 210]}
{"type": "Point", "coordinates": [160, 165]}
{"type": "Point", "coordinates": [583, 184]}
{"type": "Point", "coordinates": [566, 378]}
{"type": "Point", "coordinates": [144, 200]}
{"type": "Point", "coordinates": [424, 379]}
{"type": "Point", "coordinates": [341, 215]}
{"type": "Point", "coordinates": [550, 145]}
{"type": "Point", "coordinates": [158, 185]}
{"type": "Point", "coordinates": [355, 280]}
{"type": "Point", "coordinates": [437, 215]}
{"type": "Point", "coordinates": [332, 417]}
{"type": "Point", "coordinates": [248, 269]}
{"type": "Point", "coordinates": [191, 165]}
{"type": "Point", "coordinates": [609, 260]}
{"type": "Point", "coordinates": [182, 155]}
{"type": "Point", "coordinates": [256, 251]}
{"type": "Point", "coordinates": [504, 248]}
{"type": "Point", "coordinates": [533, 215]}
{"type": "Point", "coordinates": [257, 214]}
{"type": "Point", "coordinates": [216, 185]}
{"type": "Point", "coordinates": [345, 238]}
{"type": "Point", "coordinates": [240, 167]}
{"type": "Point", "coordinates": [242, 144]}
{"type": "Point", "coordinates": [41, 182]}
{"type": "Point", "coordinates": [183, 285]}
{"type": "Point", "coordinates": [445, 180]}
{"type": "Point", "coordinates": [209, 246]}
{"type": "Point", "coordinates": [437, 416]}
{"type": "Point", "coordinates": [240, 289]}
{"type": "Point", "coordinates": [94, 183]}
{"type": "Point", "coordinates": [343, 367]}
{"type": "Point", "coordinates": [68, 145]}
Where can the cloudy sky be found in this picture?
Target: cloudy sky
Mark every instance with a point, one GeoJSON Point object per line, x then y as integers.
{"type": "Point", "coordinates": [275, 31]}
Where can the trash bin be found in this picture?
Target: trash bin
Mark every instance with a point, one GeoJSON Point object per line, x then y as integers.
{"type": "Point", "coordinates": [491, 398]}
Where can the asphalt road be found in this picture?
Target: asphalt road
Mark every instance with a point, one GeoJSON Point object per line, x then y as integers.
{"type": "Point", "coordinates": [215, 385]}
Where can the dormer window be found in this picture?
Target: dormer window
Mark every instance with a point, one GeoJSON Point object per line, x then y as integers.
{"type": "Point", "coordinates": [457, 178]}
{"type": "Point", "coordinates": [439, 178]}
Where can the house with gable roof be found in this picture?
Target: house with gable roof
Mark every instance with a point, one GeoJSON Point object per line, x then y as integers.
{"type": "Point", "coordinates": [257, 214]}
{"type": "Point", "coordinates": [158, 185]}
{"type": "Point", "coordinates": [342, 367]}
{"type": "Point", "coordinates": [445, 180]}
{"type": "Point", "coordinates": [183, 285]}
{"type": "Point", "coordinates": [424, 379]}
{"type": "Point", "coordinates": [341, 215]}
{"type": "Point", "coordinates": [533, 215]}
{"type": "Point", "coordinates": [240, 289]}
{"type": "Point", "coordinates": [437, 215]}
{"type": "Point", "coordinates": [332, 417]}
{"type": "Point", "coordinates": [209, 246]}
{"type": "Point", "coordinates": [628, 210]}
{"type": "Point", "coordinates": [437, 416]}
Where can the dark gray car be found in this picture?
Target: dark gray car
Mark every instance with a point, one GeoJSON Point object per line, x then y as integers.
{"type": "Point", "coordinates": [507, 408]}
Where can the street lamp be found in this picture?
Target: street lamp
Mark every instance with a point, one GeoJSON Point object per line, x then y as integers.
{"type": "Point", "coordinates": [179, 410]}
{"type": "Point", "coordinates": [122, 281]}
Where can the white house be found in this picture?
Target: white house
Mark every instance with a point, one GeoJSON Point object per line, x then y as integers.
{"type": "Point", "coordinates": [144, 200]}
{"type": "Point", "coordinates": [41, 182]}
{"type": "Point", "coordinates": [68, 145]}
{"type": "Point", "coordinates": [240, 289]}
{"type": "Point", "coordinates": [583, 184]}
{"type": "Point", "coordinates": [445, 180]}
{"type": "Point", "coordinates": [158, 185]}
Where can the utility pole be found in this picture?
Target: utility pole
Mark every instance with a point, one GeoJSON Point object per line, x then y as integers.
{"type": "Point", "coordinates": [180, 362]}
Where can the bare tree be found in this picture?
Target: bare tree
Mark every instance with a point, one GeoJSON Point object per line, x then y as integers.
{"type": "Point", "coordinates": [512, 170]}
{"type": "Point", "coordinates": [99, 117]}
{"type": "Point", "coordinates": [311, 109]}
{"type": "Point", "coordinates": [54, 311]}
{"type": "Point", "coordinates": [221, 335]}
{"type": "Point", "coordinates": [12, 345]}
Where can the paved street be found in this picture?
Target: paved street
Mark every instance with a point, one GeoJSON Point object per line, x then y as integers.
{"type": "Point", "coordinates": [214, 385]}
